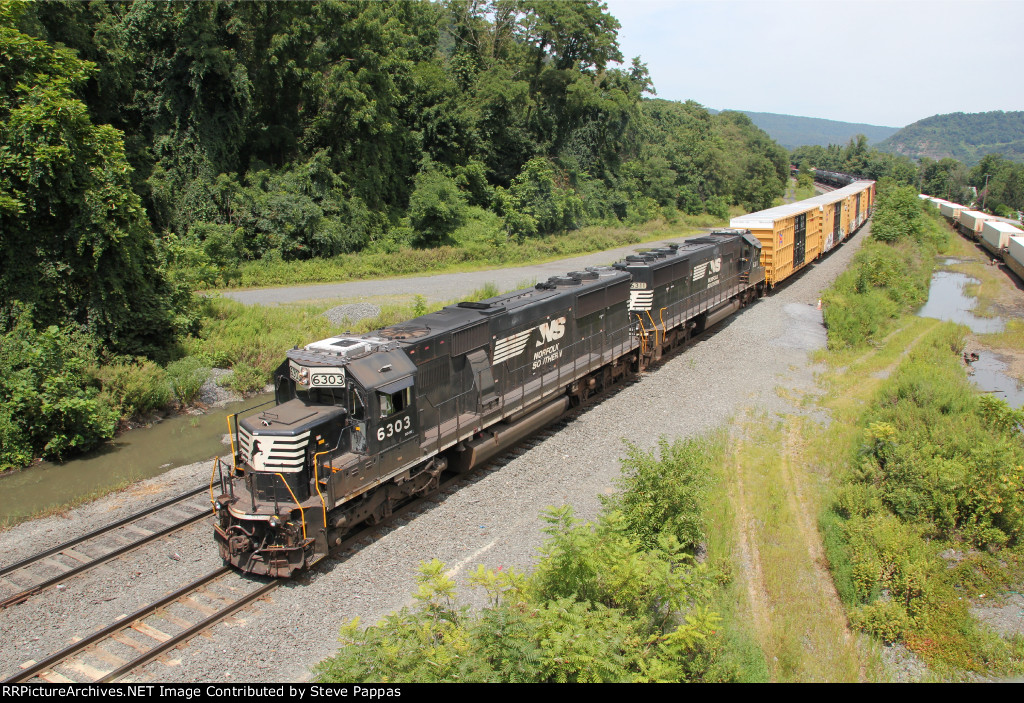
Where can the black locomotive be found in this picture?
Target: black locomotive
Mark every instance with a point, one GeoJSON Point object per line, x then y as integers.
{"type": "Point", "coordinates": [837, 180]}
{"type": "Point", "coordinates": [363, 423]}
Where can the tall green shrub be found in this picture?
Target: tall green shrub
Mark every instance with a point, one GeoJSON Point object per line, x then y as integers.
{"type": "Point", "coordinates": [50, 405]}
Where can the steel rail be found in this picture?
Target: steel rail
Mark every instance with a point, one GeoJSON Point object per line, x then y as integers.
{"type": "Point", "coordinates": [99, 531]}
{"type": "Point", "coordinates": [32, 590]}
{"type": "Point", "coordinates": [188, 634]}
{"type": "Point", "coordinates": [122, 623]}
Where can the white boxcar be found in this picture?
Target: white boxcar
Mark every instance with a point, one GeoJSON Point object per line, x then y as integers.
{"type": "Point", "coordinates": [995, 235]}
{"type": "Point", "coordinates": [951, 210]}
{"type": "Point", "coordinates": [970, 222]}
{"type": "Point", "coordinates": [1015, 256]}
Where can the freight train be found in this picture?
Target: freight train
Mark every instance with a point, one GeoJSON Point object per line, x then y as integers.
{"type": "Point", "coordinates": [363, 423]}
{"type": "Point", "coordinates": [1001, 238]}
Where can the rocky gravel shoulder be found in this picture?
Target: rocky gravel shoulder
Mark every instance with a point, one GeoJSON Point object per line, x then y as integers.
{"type": "Point", "coordinates": [494, 520]}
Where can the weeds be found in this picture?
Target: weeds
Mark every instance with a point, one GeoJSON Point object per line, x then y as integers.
{"type": "Point", "coordinates": [617, 600]}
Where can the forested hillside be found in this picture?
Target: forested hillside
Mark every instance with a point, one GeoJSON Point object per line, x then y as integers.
{"type": "Point", "coordinates": [995, 183]}
{"type": "Point", "coordinates": [965, 137]}
{"type": "Point", "coordinates": [857, 158]}
{"type": "Point", "coordinates": [792, 131]}
{"type": "Point", "coordinates": [151, 148]}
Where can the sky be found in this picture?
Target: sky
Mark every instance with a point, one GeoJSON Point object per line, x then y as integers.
{"type": "Point", "coordinates": [879, 62]}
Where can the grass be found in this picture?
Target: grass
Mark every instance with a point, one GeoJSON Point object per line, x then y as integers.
{"type": "Point", "coordinates": [765, 527]}
{"type": "Point", "coordinates": [466, 257]}
{"type": "Point", "coordinates": [1010, 338]}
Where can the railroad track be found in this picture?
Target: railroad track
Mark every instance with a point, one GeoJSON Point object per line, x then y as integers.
{"type": "Point", "coordinates": [50, 567]}
{"type": "Point", "coordinates": [115, 651]}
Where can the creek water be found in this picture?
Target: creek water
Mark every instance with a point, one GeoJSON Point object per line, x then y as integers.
{"type": "Point", "coordinates": [947, 301]}
{"type": "Point", "coordinates": [131, 456]}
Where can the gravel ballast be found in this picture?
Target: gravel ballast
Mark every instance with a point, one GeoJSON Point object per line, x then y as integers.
{"type": "Point", "coordinates": [494, 520]}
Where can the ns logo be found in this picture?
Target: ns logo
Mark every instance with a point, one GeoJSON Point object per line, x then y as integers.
{"type": "Point", "coordinates": [550, 331]}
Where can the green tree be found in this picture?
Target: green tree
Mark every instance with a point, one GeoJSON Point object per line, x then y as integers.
{"type": "Point", "coordinates": [76, 244]}
{"type": "Point", "coordinates": [436, 209]}
{"type": "Point", "coordinates": [540, 201]}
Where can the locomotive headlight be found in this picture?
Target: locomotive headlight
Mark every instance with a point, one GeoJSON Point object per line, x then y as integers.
{"type": "Point", "coordinates": [218, 505]}
{"type": "Point", "coordinates": [275, 521]}
{"type": "Point", "coordinates": [304, 376]}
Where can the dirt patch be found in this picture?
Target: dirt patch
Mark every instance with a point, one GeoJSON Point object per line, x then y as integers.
{"type": "Point", "coordinates": [1005, 616]}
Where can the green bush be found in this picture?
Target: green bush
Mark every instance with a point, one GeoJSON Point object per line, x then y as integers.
{"type": "Point", "coordinates": [886, 620]}
{"type": "Point", "coordinates": [187, 377]}
{"type": "Point", "coordinates": [50, 403]}
{"type": "Point", "coordinates": [540, 201]}
{"type": "Point", "coordinates": [603, 604]}
{"type": "Point", "coordinates": [135, 385]}
{"type": "Point", "coordinates": [662, 495]}
{"type": "Point", "coordinates": [717, 206]}
{"type": "Point", "coordinates": [246, 379]}
{"type": "Point", "coordinates": [436, 208]}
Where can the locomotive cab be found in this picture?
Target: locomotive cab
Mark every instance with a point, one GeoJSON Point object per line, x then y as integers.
{"type": "Point", "coordinates": [344, 423]}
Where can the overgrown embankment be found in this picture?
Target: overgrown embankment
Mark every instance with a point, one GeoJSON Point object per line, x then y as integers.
{"type": "Point", "coordinates": [890, 274]}
{"type": "Point", "coordinates": [928, 513]}
{"type": "Point", "coordinates": [622, 599]}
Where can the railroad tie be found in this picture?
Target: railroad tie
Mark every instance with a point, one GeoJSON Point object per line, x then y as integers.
{"type": "Point", "coordinates": [129, 642]}
{"type": "Point", "coordinates": [150, 631]}
{"type": "Point", "coordinates": [107, 657]}
{"type": "Point", "coordinates": [77, 556]}
{"type": "Point", "coordinates": [138, 530]}
{"type": "Point", "coordinates": [84, 669]}
{"type": "Point", "coordinates": [51, 676]}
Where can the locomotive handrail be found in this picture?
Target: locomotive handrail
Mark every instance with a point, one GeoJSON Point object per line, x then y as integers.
{"type": "Point", "coordinates": [440, 422]}
{"type": "Point", "coordinates": [302, 513]}
{"type": "Point", "coordinates": [231, 438]}
{"type": "Point", "coordinates": [213, 471]}
{"type": "Point", "coordinates": [654, 326]}
{"type": "Point", "coordinates": [642, 335]}
{"type": "Point", "coordinates": [316, 482]}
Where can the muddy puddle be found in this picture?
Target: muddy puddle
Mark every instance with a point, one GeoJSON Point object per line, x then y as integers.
{"type": "Point", "coordinates": [134, 455]}
{"type": "Point", "coordinates": [988, 374]}
{"type": "Point", "coordinates": [947, 301]}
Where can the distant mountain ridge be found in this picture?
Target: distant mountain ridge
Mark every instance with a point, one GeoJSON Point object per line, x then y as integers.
{"type": "Point", "coordinates": [966, 137]}
{"type": "Point", "coordinates": [791, 131]}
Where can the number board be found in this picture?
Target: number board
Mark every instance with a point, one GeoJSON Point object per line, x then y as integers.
{"type": "Point", "coordinates": [316, 378]}
{"type": "Point", "coordinates": [334, 377]}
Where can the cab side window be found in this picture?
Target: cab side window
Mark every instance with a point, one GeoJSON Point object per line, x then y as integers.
{"type": "Point", "coordinates": [359, 418]}
{"type": "Point", "coordinates": [393, 403]}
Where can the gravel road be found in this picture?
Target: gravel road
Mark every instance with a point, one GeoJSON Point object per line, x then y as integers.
{"type": "Point", "coordinates": [494, 520]}
{"type": "Point", "coordinates": [440, 287]}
